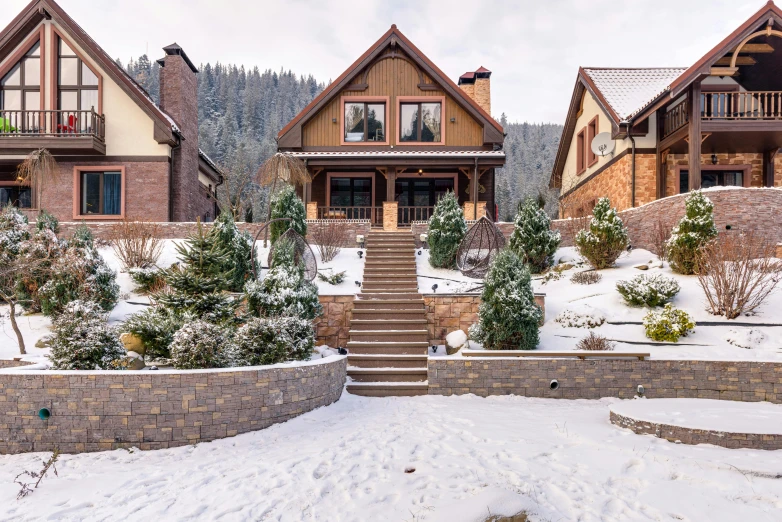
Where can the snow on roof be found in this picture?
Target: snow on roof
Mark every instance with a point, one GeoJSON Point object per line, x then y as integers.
{"type": "Point", "coordinates": [628, 91]}
{"type": "Point", "coordinates": [400, 153]}
{"type": "Point", "coordinates": [208, 160]}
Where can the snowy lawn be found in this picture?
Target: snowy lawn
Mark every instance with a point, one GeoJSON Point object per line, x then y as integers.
{"type": "Point", "coordinates": [447, 281]}
{"type": "Point", "coordinates": [559, 459]}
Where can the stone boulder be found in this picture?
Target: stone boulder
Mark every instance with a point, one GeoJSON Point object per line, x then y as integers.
{"type": "Point", "coordinates": [132, 343]}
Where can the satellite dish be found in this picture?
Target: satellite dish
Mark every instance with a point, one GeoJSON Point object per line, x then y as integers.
{"type": "Point", "coordinates": [602, 144]}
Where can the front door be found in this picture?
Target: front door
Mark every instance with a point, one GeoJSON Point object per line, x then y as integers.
{"type": "Point", "coordinates": [417, 197]}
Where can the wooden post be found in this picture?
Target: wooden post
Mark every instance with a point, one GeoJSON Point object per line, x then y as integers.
{"type": "Point", "coordinates": [391, 184]}
{"type": "Point", "coordinates": [474, 191]}
{"type": "Point", "coordinates": [694, 107]}
{"type": "Point", "coordinates": [661, 167]}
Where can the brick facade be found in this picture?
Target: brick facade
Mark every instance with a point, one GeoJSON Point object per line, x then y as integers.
{"type": "Point", "coordinates": [593, 379]}
{"type": "Point", "coordinates": [97, 411]}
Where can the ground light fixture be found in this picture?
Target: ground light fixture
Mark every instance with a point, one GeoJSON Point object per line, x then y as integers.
{"type": "Point", "coordinates": [641, 390]}
{"type": "Point", "coordinates": [434, 348]}
{"type": "Point", "coordinates": [342, 351]}
{"type": "Point", "coordinates": [358, 283]}
{"type": "Point", "coordinates": [434, 287]}
{"type": "Point", "coordinates": [361, 254]}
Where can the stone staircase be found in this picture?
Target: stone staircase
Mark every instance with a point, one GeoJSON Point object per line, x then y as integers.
{"type": "Point", "coordinates": [389, 341]}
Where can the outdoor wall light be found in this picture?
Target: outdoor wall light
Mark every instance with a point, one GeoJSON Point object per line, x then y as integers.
{"type": "Point", "coordinates": [713, 159]}
{"type": "Point", "coordinates": [333, 120]}
{"type": "Point", "coordinates": [641, 390]}
{"type": "Point", "coordinates": [360, 240]}
{"type": "Point", "coordinates": [44, 413]}
{"type": "Point", "coordinates": [453, 120]}
{"type": "Point", "coordinates": [554, 384]}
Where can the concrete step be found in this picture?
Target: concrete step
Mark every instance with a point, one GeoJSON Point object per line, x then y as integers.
{"type": "Point", "coordinates": [379, 389]}
{"type": "Point", "coordinates": [384, 275]}
{"type": "Point", "coordinates": [386, 255]}
{"type": "Point", "coordinates": [400, 336]}
{"type": "Point", "coordinates": [387, 374]}
{"type": "Point", "coordinates": [388, 348]}
{"type": "Point", "coordinates": [360, 360]}
{"type": "Point", "coordinates": [391, 324]}
{"type": "Point", "coordinates": [379, 314]}
{"type": "Point", "coordinates": [402, 247]}
{"type": "Point", "coordinates": [372, 300]}
{"type": "Point", "coordinates": [394, 263]}
{"type": "Point", "coordinates": [383, 289]}
{"type": "Point", "coordinates": [386, 270]}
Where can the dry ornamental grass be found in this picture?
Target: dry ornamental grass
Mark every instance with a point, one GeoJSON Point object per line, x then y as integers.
{"type": "Point", "coordinates": [137, 244]}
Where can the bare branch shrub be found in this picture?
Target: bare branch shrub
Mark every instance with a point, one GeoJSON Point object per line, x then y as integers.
{"type": "Point", "coordinates": [12, 271]}
{"type": "Point", "coordinates": [330, 237]}
{"type": "Point", "coordinates": [661, 233]}
{"type": "Point", "coordinates": [586, 278]}
{"type": "Point", "coordinates": [37, 170]}
{"type": "Point", "coordinates": [575, 211]}
{"type": "Point", "coordinates": [738, 272]}
{"type": "Point", "coordinates": [137, 244]}
{"type": "Point", "coordinates": [26, 488]}
{"type": "Point", "coordinates": [595, 343]}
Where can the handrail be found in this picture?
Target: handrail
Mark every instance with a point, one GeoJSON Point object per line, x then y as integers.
{"type": "Point", "coordinates": [373, 214]}
{"type": "Point", "coordinates": [408, 215]}
{"type": "Point", "coordinates": [50, 123]}
{"type": "Point", "coordinates": [742, 105]}
{"type": "Point", "coordinates": [675, 118]}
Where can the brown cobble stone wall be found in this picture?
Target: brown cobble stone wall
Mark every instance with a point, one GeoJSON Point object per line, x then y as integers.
{"type": "Point", "coordinates": [693, 436]}
{"type": "Point", "coordinates": [333, 327]}
{"type": "Point", "coordinates": [594, 379]}
{"type": "Point", "coordinates": [97, 411]}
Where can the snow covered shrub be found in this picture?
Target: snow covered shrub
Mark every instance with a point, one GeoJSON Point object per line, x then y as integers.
{"type": "Point", "coordinates": [508, 317]}
{"type": "Point", "coordinates": [47, 221]}
{"type": "Point", "coordinates": [199, 344]}
{"type": "Point", "coordinates": [605, 239]}
{"type": "Point", "coordinates": [83, 340]}
{"type": "Point", "coordinates": [330, 237]}
{"type": "Point", "coordinates": [286, 204]}
{"type": "Point", "coordinates": [283, 291]}
{"type": "Point", "coordinates": [271, 340]}
{"type": "Point", "coordinates": [137, 244]}
{"type": "Point", "coordinates": [238, 246]}
{"type": "Point", "coordinates": [668, 324]}
{"type": "Point", "coordinates": [692, 232]}
{"type": "Point", "coordinates": [148, 280]}
{"type": "Point", "coordinates": [746, 338]}
{"type": "Point", "coordinates": [13, 230]}
{"type": "Point", "coordinates": [643, 290]}
{"type": "Point", "coordinates": [595, 343]}
{"type": "Point", "coordinates": [82, 237]}
{"type": "Point", "coordinates": [580, 316]}
{"type": "Point", "coordinates": [586, 278]}
{"type": "Point", "coordinates": [156, 326]}
{"type": "Point", "coordinates": [532, 239]}
{"type": "Point", "coordinates": [447, 228]}
{"type": "Point", "coordinates": [40, 252]}
{"type": "Point", "coordinates": [334, 279]}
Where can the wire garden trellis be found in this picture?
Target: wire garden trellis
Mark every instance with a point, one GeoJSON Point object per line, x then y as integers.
{"type": "Point", "coordinates": [302, 251]}
{"type": "Point", "coordinates": [478, 248]}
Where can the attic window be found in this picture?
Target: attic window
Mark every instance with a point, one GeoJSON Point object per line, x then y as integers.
{"type": "Point", "coordinates": [365, 122]}
{"type": "Point", "coordinates": [581, 152]}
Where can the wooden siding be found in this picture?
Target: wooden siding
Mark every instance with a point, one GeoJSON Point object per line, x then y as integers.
{"type": "Point", "coordinates": [392, 77]}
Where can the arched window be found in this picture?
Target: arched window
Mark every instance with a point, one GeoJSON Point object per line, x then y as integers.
{"type": "Point", "coordinates": [77, 90]}
{"type": "Point", "coordinates": [20, 93]}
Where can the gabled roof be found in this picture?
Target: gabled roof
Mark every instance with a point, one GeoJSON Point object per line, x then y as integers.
{"type": "Point", "coordinates": [38, 10]}
{"type": "Point", "coordinates": [290, 135]}
{"type": "Point", "coordinates": [628, 91]}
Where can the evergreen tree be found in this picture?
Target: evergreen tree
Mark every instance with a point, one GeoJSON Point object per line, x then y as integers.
{"type": "Point", "coordinates": [532, 239]}
{"type": "Point", "coordinates": [508, 318]}
{"type": "Point", "coordinates": [286, 204]}
{"type": "Point", "coordinates": [238, 245]}
{"type": "Point", "coordinates": [447, 228]}
{"type": "Point", "coordinates": [606, 238]}
{"type": "Point", "coordinates": [692, 232]}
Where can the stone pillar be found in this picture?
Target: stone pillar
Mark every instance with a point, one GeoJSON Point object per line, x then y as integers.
{"type": "Point", "coordinates": [390, 216]}
{"type": "Point", "coordinates": [312, 210]}
{"type": "Point", "coordinates": [469, 210]}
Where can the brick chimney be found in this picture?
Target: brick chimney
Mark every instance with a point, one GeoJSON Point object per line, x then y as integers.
{"type": "Point", "coordinates": [179, 99]}
{"type": "Point", "coordinates": [477, 85]}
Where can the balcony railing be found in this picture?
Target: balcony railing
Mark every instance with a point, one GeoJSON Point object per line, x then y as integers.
{"type": "Point", "coordinates": [409, 214]}
{"type": "Point", "coordinates": [372, 214]}
{"type": "Point", "coordinates": [52, 124]}
{"type": "Point", "coordinates": [675, 118]}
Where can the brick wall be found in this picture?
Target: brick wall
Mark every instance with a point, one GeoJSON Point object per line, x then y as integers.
{"type": "Point", "coordinates": [593, 379]}
{"type": "Point", "coordinates": [333, 327]}
{"type": "Point", "coordinates": [96, 411]}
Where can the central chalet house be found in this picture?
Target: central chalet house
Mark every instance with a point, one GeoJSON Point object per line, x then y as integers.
{"type": "Point", "coordinates": [670, 130]}
{"type": "Point", "coordinates": [392, 134]}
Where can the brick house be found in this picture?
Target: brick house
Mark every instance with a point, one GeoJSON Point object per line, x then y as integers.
{"type": "Point", "coordinates": [725, 111]}
{"type": "Point", "coordinates": [393, 133]}
{"type": "Point", "coordinates": [120, 155]}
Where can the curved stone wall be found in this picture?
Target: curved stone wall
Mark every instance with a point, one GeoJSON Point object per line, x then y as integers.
{"type": "Point", "coordinates": [101, 410]}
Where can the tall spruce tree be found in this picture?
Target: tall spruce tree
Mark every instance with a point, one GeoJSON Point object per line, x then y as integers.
{"type": "Point", "coordinates": [447, 229]}
{"type": "Point", "coordinates": [286, 204]}
{"type": "Point", "coordinates": [532, 239]}
{"type": "Point", "coordinates": [691, 233]}
{"type": "Point", "coordinates": [238, 245]}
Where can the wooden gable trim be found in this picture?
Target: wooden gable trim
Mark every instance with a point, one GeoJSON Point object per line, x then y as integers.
{"type": "Point", "coordinates": [37, 37]}
{"type": "Point", "coordinates": [20, 27]}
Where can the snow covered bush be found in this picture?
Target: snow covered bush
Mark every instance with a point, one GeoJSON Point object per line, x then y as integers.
{"type": "Point", "coordinates": [271, 340]}
{"type": "Point", "coordinates": [586, 278]}
{"type": "Point", "coordinates": [692, 232]}
{"type": "Point", "coordinates": [83, 340]}
{"type": "Point", "coordinates": [47, 221]}
{"type": "Point", "coordinates": [605, 239]}
{"type": "Point", "coordinates": [238, 246]}
{"type": "Point", "coordinates": [580, 316]}
{"type": "Point", "coordinates": [643, 290]}
{"type": "Point", "coordinates": [156, 326]}
{"type": "Point", "coordinates": [668, 324]}
{"type": "Point", "coordinates": [148, 280]}
{"type": "Point", "coordinates": [335, 278]}
{"type": "Point", "coordinates": [746, 338]}
{"type": "Point", "coordinates": [286, 204]}
{"type": "Point", "coordinates": [508, 317]}
{"type": "Point", "coordinates": [330, 237]}
{"type": "Point", "coordinates": [13, 231]}
{"type": "Point", "coordinates": [447, 228]}
{"type": "Point", "coordinates": [283, 291]}
{"type": "Point", "coordinates": [199, 344]}
{"type": "Point", "coordinates": [532, 239]}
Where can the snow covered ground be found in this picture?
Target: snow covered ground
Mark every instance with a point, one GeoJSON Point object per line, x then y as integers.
{"type": "Point", "coordinates": [558, 459]}
{"type": "Point", "coordinates": [447, 281]}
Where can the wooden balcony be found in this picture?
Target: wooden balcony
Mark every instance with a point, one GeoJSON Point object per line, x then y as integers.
{"type": "Point", "coordinates": [73, 132]}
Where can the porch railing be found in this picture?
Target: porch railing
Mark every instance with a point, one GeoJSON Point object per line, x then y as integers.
{"type": "Point", "coordinates": [52, 124]}
{"type": "Point", "coordinates": [675, 118]}
{"type": "Point", "coordinates": [749, 105]}
{"type": "Point", "coordinates": [372, 214]}
{"type": "Point", "coordinates": [409, 214]}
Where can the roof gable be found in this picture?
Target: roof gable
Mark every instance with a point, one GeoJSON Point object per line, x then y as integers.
{"type": "Point", "coordinates": [290, 135]}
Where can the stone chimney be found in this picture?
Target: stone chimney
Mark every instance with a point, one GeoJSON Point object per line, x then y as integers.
{"type": "Point", "coordinates": [179, 99]}
{"type": "Point", "coordinates": [477, 85]}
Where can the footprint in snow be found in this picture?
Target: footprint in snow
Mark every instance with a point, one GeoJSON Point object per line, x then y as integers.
{"type": "Point", "coordinates": [321, 471]}
{"type": "Point", "coordinates": [634, 466]}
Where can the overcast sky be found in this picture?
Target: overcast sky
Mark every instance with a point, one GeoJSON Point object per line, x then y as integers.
{"type": "Point", "coordinates": [533, 48]}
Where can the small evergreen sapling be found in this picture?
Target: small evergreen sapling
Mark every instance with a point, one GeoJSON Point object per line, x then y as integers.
{"type": "Point", "coordinates": [156, 326]}
{"type": "Point", "coordinates": [447, 229]}
{"type": "Point", "coordinates": [238, 246]}
{"type": "Point", "coordinates": [606, 238]}
{"type": "Point", "coordinates": [643, 290]}
{"type": "Point", "coordinates": [532, 239]}
{"type": "Point", "coordinates": [508, 315]}
{"type": "Point", "coordinates": [83, 340]}
{"type": "Point", "coordinates": [271, 340]}
{"type": "Point", "coordinates": [286, 204]}
{"type": "Point", "coordinates": [197, 345]}
{"type": "Point", "coordinates": [668, 324]}
{"type": "Point", "coordinates": [692, 232]}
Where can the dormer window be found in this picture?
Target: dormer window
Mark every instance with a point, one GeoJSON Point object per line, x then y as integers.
{"type": "Point", "coordinates": [364, 121]}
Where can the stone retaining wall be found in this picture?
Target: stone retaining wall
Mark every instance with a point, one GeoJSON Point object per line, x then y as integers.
{"type": "Point", "coordinates": [4, 363]}
{"type": "Point", "coordinates": [333, 327]}
{"type": "Point", "coordinates": [593, 379]}
{"type": "Point", "coordinates": [96, 411]}
{"type": "Point", "coordinates": [684, 435]}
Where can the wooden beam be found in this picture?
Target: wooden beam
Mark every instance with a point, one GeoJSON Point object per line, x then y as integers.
{"type": "Point", "coordinates": [466, 171]}
{"type": "Point", "coordinates": [758, 48]}
{"type": "Point", "coordinates": [383, 171]}
{"type": "Point", "coordinates": [660, 162]}
{"type": "Point", "coordinates": [741, 60]}
{"type": "Point", "coordinates": [694, 107]}
{"type": "Point", "coordinates": [391, 183]}
{"type": "Point", "coordinates": [474, 183]}
{"type": "Point", "coordinates": [724, 71]}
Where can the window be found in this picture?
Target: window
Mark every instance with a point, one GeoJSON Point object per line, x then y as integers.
{"type": "Point", "coordinates": [350, 192]}
{"type": "Point", "coordinates": [17, 196]}
{"type": "Point", "coordinates": [365, 121]}
{"type": "Point", "coordinates": [712, 178]}
{"type": "Point", "coordinates": [20, 91]}
{"type": "Point", "coordinates": [581, 152]}
{"type": "Point", "coordinates": [592, 131]}
{"type": "Point", "coordinates": [100, 193]}
{"type": "Point", "coordinates": [77, 90]}
{"type": "Point", "coordinates": [420, 122]}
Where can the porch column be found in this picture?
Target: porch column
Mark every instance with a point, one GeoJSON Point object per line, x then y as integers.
{"type": "Point", "coordinates": [390, 183]}
{"type": "Point", "coordinates": [474, 191]}
{"type": "Point", "coordinates": [660, 165]}
{"type": "Point", "coordinates": [768, 167]}
{"type": "Point", "coordinates": [694, 109]}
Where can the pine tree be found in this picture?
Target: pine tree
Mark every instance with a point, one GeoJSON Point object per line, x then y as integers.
{"type": "Point", "coordinates": [532, 239]}
{"type": "Point", "coordinates": [238, 245]}
{"type": "Point", "coordinates": [692, 232]}
{"type": "Point", "coordinates": [286, 204]}
{"type": "Point", "coordinates": [508, 316]}
{"type": "Point", "coordinates": [606, 238]}
{"type": "Point", "coordinates": [447, 228]}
